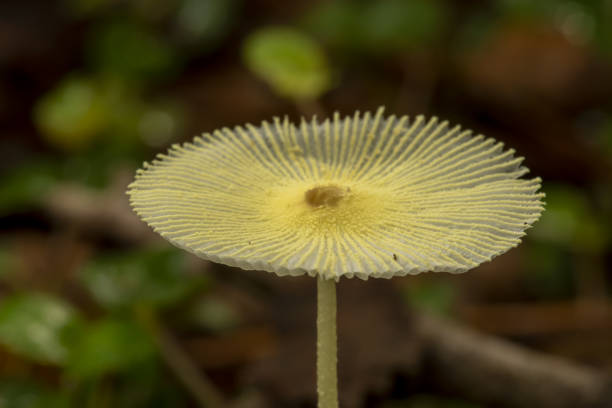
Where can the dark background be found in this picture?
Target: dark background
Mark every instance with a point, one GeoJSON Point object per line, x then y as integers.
{"type": "Point", "coordinates": [93, 304]}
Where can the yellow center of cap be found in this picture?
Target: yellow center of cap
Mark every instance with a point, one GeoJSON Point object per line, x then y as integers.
{"type": "Point", "coordinates": [322, 208]}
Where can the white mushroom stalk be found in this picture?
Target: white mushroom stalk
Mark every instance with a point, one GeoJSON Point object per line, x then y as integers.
{"type": "Point", "coordinates": [365, 196]}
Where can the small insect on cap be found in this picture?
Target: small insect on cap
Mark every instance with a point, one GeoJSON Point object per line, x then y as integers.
{"type": "Point", "coordinates": [364, 196]}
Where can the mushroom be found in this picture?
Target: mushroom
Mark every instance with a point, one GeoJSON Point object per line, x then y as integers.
{"type": "Point", "coordinates": [365, 196]}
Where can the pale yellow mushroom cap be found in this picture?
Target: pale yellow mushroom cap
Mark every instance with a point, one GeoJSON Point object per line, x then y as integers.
{"type": "Point", "coordinates": [364, 196]}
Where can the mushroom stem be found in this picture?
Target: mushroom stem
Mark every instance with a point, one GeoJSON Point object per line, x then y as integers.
{"type": "Point", "coordinates": [327, 344]}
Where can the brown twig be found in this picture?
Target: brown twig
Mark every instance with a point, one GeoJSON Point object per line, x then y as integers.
{"type": "Point", "coordinates": [495, 372]}
{"type": "Point", "coordinates": [104, 213]}
{"type": "Point", "coordinates": [198, 385]}
{"type": "Point", "coordinates": [525, 319]}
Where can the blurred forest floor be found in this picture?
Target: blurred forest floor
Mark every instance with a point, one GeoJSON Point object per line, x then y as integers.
{"type": "Point", "coordinates": [92, 303]}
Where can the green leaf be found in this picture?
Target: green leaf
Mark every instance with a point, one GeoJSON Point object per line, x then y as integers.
{"type": "Point", "coordinates": [433, 297]}
{"type": "Point", "coordinates": [109, 345]}
{"type": "Point", "coordinates": [604, 134]}
{"type": "Point", "coordinates": [37, 326]}
{"type": "Point", "coordinates": [580, 21]}
{"type": "Point", "coordinates": [147, 385]}
{"type": "Point", "coordinates": [213, 314]}
{"type": "Point", "coordinates": [292, 63]}
{"type": "Point", "coordinates": [549, 272]}
{"type": "Point", "coordinates": [527, 9]}
{"type": "Point", "coordinates": [474, 30]}
{"type": "Point", "coordinates": [570, 220]}
{"type": "Point", "coordinates": [153, 277]}
{"type": "Point", "coordinates": [22, 394]}
{"type": "Point", "coordinates": [398, 24]}
{"type": "Point", "coordinates": [378, 26]}
{"type": "Point", "coordinates": [158, 125]}
{"type": "Point", "coordinates": [83, 8]}
{"type": "Point", "coordinates": [205, 22]}
{"type": "Point", "coordinates": [25, 186]}
{"type": "Point", "coordinates": [102, 114]}
{"type": "Point", "coordinates": [338, 23]}
{"type": "Point", "coordinates": [73, 114]}
{"type": "Point", "coordinates": [131, 51]}
{"type": "Point", "coordinates": [603, 29]}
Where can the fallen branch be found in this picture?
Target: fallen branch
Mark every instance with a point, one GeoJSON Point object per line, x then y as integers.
{"type": "Point", "coordinates": [494, 372]}
{"type": "Point", "coordinates": [194, 380]}
{"type": "Point", "coordinates": [529, 319]}
{"type": "Point", "coordinates": [104, 213]}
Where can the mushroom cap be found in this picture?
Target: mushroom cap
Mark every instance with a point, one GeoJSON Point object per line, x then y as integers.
{"type": "Point", "coordinates": [365, 196]}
